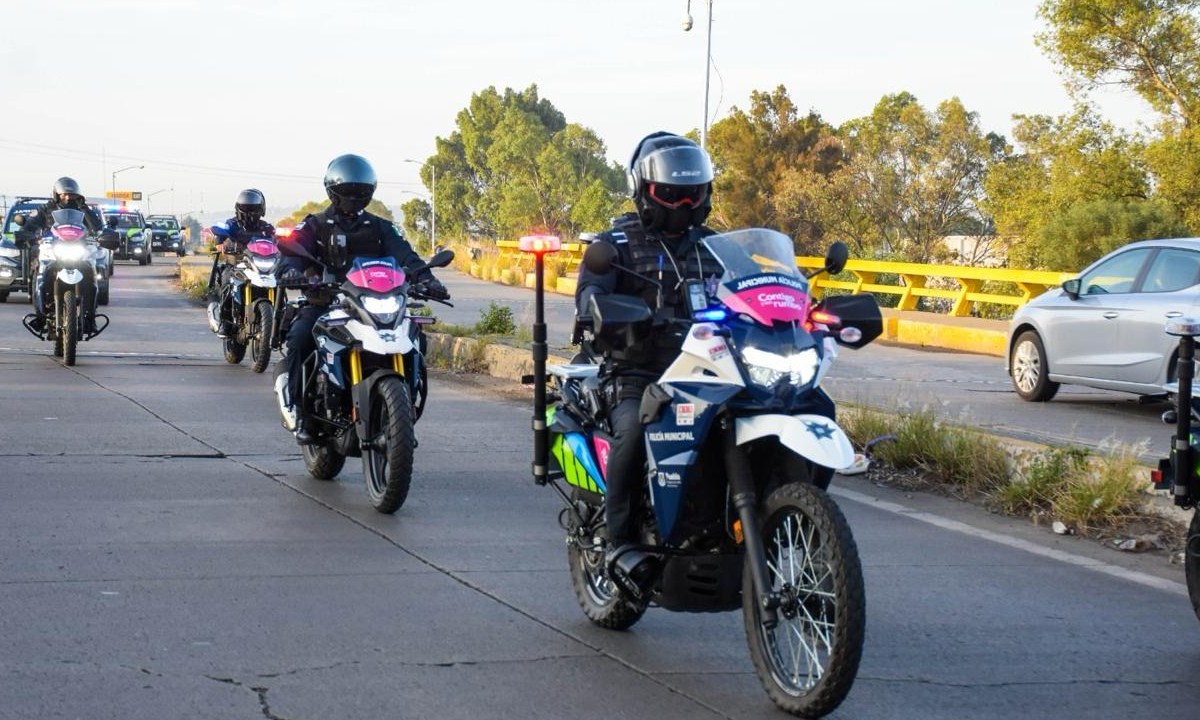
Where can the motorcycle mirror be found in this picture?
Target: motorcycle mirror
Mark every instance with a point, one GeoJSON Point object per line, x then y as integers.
{"type": "Point", "coordinates": [442, 258]}
{"type": "Point", "coordinates": [835, 259]}
{"type": "Point", "coordinates": [599, 257]}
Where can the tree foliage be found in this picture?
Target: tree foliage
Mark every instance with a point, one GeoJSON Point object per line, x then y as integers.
{"type": "Point", "coordinates": [1149, 46]}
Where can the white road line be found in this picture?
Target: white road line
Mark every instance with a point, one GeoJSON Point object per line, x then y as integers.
{"type": "Point", "coordinates": [1015, 543]}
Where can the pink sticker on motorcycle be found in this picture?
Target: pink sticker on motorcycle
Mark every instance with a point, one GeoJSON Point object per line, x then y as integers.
{"type": "Point", "coordinates": [770, 303]}
{"type": "Point", "coordinates": [264, 248]}
{"type": "Point", "coordinates": [378, 278]}
{"type": "Point", "coordinates": [602, 448]}
{"type": "Point", "coordinates": [69, 232]}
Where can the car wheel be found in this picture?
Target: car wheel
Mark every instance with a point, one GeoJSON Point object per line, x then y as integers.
{"type": "Point", "coordinates": [1029, 368]}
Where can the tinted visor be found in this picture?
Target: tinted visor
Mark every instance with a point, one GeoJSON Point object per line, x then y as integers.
{"type": "Point", "coordinates": [685, 165]}
{"type": "Point", "coordinates": [677, 196]}
{"type": "Point", "coordinates": [354, 191]}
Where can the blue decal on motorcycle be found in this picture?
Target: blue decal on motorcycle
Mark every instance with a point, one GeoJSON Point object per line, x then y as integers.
{"type": "Point", "coordinates": [579, 446]}
{"type": "Point", "coordinates": [821, 431]}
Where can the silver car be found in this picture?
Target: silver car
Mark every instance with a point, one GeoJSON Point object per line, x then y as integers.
{"type": "Point", "coordinates": [1107, 328]}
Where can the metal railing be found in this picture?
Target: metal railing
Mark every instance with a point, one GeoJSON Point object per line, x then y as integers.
{"type": "Point", "coordinates": [961, 286]}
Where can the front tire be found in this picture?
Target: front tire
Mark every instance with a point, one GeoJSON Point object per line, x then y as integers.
{"type": "Point", "coordinates": [260, 335]}
{"type": "Point", "coordinates": [1191, 562]}
{"type": "Point", "coordinates": [1028, 367]}
{"type": "Point", "coordinates": [388, 456]}
{"type": "Point", "coordinates": [69, 327]}
{"type": "Point", "coordinates": [102, 294]}
{"type": "Point", "coordinates": [808, 661]}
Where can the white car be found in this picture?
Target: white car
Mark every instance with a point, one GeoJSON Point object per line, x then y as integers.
{"type": "Point", "coordinates": [1107, 328]}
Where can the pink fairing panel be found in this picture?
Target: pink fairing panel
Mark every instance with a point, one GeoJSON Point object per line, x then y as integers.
{"type": "Point", "coordinates": [69, 232]}
{"type": "Point", "coordinates": [264, 248]}
{"type": "Point", "coordinates": [770, 303]}
{"type": "Point", "coordinates": [602, 450]}
{"type": "Point", "coordinates": [377, 278]}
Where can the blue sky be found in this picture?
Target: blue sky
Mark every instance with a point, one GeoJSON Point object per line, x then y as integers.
{"type": "Point", "coordinates": [212, 96]}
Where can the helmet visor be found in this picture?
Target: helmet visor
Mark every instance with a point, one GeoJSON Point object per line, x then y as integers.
{"type": "Point", "coordinates": [676, 196]}
{"type": "Point", "coordinates": [354, 191]}
{"type": "Point", "coordinates": [685, 165]}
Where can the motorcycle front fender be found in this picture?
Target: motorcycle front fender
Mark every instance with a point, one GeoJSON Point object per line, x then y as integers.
{"type": "Point", "coordinates": [812, 437]}
{"type": "Point", "coordinates": [71, 276]}
{"type": "Point", "coordinates": [361, 395]}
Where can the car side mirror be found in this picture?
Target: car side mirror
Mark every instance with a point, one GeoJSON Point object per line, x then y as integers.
{"type": "Point", "coordinates": [1071, 288]}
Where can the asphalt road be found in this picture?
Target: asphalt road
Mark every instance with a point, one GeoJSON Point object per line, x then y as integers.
{"type": "Point", "coordinates": [163, 554]}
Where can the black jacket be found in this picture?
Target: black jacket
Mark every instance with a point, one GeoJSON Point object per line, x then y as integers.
{"type": "Point", "coordinates": [364, 235]}
{"type": "Point", "coordinates": [666, 262]}
{"type": "Point", "coordinates": [241, 234]}
{"type": "Point", "coordinates": [40, 220]}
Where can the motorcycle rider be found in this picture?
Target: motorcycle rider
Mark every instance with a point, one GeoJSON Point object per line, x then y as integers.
{"type": "Point", "coordinates": [336, 236]}
{"type": "Point", "coordinates": [670, 181]}
{"type": "Point", "coordinates": [247, 223]}
{"type": "Point", "coordinates": [65, 196]}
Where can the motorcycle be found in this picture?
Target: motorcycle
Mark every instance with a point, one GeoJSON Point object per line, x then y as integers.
{"type": "Point", "coordinates": [69, 255]}
{"type": "Point", "coordinates": [733, 512]}
{"type": "Point", "coordinates": [366, 384]}
{"type": "Point", "coordinates": [247, 305]}
{"type": "Point", "coordinates": [1180, 473]}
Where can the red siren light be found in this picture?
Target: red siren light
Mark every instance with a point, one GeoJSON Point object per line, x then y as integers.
{"type": "Point", "coordinates": [539, 244]}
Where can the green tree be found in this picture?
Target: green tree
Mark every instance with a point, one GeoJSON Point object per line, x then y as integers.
{"type": "Point", "coordinates": [314, 207]}
{"type": "Point", "coordinates": [1062, 162]}
{"type": "Point", "coordinates": [1083, 233]}
{"type": "Point", "coordinates": [1149, 46]}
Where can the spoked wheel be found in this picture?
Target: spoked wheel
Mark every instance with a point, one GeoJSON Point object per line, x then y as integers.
{"type": "Point", "coordinates": [260, 335]}
{"type": "Point", "coordinates": [388, 456]}
{"type": "Point", "coordinates": [1191, 562]}
{"type": "Point", "coordinates": [69, 327]}
{"type": "Point", "coordinates": [322, 462]}
{"type": "Point", "coordinates": [599, 597]}
{"type": "Point", "coordinates": [809, 659]}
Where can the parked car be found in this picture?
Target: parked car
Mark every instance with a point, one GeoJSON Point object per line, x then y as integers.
{"type": "Point", "coordinates": [167, 236]}
{"type": "Point", "coordinates": [134, 231]}
{"type": "Point", "coordinates": [16, 261]}
{"type": "Point", "coordinates": [1106, 328]}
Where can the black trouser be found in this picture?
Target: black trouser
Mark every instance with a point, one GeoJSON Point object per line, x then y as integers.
{"type": "Point", "coordinates": [300, 344]}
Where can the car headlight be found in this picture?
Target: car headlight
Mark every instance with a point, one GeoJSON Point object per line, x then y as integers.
{"type": "Point", "coordinates": [383, 309]}
{"type": "Point", "coordinates": [6, 271]}
{"type": "Point", "coordinates": [70, 251]}
{"type": "Point", "coordinates": [767, 368]}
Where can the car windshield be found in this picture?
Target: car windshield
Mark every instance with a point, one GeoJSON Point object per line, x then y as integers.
{"type": "Point", "coordinates": [125, 220]}
{"type": "Point", "coordinates": [160, 224]}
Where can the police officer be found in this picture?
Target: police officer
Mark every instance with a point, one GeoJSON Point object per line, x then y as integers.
{"type": "Point", "coordinates": [65, 196]}
{"type": "Point", "coordinates": [670, 181]}
{"type": "Point", "coordinates": [342, 232]}
{"type": "Point", "coordinates": [247, 223]}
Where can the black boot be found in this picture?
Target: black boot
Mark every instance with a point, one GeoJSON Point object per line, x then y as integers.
{"type": "Point", "coordinates": [38, 323]}
{"type": "Point", "coordinates": [304, 436]}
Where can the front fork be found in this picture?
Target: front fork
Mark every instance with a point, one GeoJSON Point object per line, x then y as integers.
{"type": "Point", "coordinates": [745, 501]}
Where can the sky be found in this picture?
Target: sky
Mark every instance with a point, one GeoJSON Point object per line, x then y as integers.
{"type": "Point", "coordinates": [190, 101]}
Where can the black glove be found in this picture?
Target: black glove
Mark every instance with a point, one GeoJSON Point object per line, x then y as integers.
{"type": "Point", "coordinates": [436, 290]}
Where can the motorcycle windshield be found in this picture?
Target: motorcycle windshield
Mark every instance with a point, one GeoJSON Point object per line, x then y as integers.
{"type": "Point", "coordinates": [68, 225]}
{"type": "Point", "coordinates": [375, 274]}
{"type": "Point", "coordinates": [262, 247]}
{"type": "Point", "coordinates": [761, 279]}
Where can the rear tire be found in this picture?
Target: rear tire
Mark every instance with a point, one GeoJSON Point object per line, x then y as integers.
{"type": "Point", "coordinates": [69, 326]}
{"type": "Point", "coordinates": [808, 661]}
{"type": "Point", "coordinates": [260, 335]}
{"type": "Point", "coordinates": [234, 350]}
{"type": "Point", "coordinates": [599, 597]}
{"type": "Point", "coordinates": [1191, 562]}
{"type": "Point", "coordinates": [388, 456]}
{"type": "Point", "coordinates": [322, 461]}
{"type": "Point", "coordinates": [1028, 367]}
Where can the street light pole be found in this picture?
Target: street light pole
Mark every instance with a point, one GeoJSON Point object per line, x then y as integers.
{"type": "Point", "coordinates": [155, 193]}
{"type": "Point", "coordinates": [114, 175]}
{"type": "Point", "coordinates": [687, 25]}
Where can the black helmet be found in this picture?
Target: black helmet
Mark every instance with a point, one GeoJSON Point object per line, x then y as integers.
{"type": "Point", "coordinates": [670, 181]}
{"type": "Point", "coordinates": [250, 207]}
{"type": "Point", "coordinates": [66, 192]}
{"type": "Point", "coordinates": [349, 183]}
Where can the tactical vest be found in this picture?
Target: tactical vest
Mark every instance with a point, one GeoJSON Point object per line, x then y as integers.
{"type": "Point", "coordinates": [647, 254]}
{"type": "Point", "coordinates": [363, 239]}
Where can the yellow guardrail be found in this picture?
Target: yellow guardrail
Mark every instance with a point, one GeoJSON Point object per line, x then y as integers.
{"type": "Point", "coordinates": [962, 285]}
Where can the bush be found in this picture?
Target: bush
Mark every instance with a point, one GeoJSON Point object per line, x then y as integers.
{"type": "Point", "coordinates": [496, 319]}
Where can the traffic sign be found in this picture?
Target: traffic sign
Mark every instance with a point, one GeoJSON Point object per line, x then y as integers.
{"type": "Point", "coordinates": [123, 194]}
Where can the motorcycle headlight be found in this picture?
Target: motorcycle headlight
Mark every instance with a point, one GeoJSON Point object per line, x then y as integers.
{"type": "Point", "coordinates": [383, 309]}
{"type": "Point", "coordinates": [70, 251]}
{"type": "Point", "coordinates": [767, 368]}
{"type": "Point", "coordinates": [265, 266]}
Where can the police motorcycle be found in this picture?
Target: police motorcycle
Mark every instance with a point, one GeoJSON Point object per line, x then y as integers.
{"type": "Point", "coordinates": [68, 254]}
{"type": "Point", "coordinates": [734, 506]}
{"type": "Point", "coordinates": [247, 299]}
{"type": "Point", "coordinates": [366, 384]}
{"type": "Point", "coordinates": [1180, 473]}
